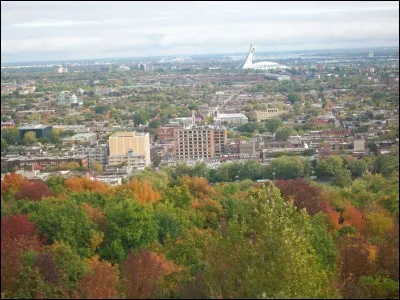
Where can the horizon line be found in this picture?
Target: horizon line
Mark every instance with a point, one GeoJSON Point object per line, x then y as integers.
{"type": "Point", "coordinates": [188, 55]}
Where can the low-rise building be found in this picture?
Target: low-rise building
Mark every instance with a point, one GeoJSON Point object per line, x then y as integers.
{"type": "Point", "coordinates": [233, 118]}
{"type": "Point", "coordinates": [7, 124]}
{"type": "Point", "coordinates": [268, 114]}
{"type": "Point", "coordinates": [89, 137]}
{"type": "Point", "coordinates": [26, 163]}
{"type": "Point", "coordinates": [247, 149]}
{"type": "Point", "coordinates": [359, 145]}
{"type": "Point", "coordinates": [94, 153]}
{"type": "Point", "coordinates": [40, 130]}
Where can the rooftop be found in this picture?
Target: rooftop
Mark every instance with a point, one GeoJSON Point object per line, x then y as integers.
{"type": "Point", "coordinates": [129, 134]}
{"type": "Point", "coordinates": [37, 126]}
{"type": "Point", "coordinates": [233, 115]}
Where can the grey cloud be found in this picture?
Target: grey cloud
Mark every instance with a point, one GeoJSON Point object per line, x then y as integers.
{"type": "Point", "coordinates": [73, 29]}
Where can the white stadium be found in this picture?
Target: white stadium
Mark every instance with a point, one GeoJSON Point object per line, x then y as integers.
{"type": "Point", "coordinates": [262, 65]}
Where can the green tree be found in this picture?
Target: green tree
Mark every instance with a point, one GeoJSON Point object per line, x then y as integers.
{"type": "Point", "coordinates": [342, 178]}
{"type": "Point", "coordinates": [273, 255]}
{"type": "Point", "coordinates": [130, 225]}
{"type": "Point", "coordinates": [357, 167]}
{"type": "Point", "coordinates": [273, 124]}
{"type": "Point", "coordinates": [70, 265]}
{"type": "Point", "coordinates": [283, 133]}
{"type": "Point", "coordinates": [140, 118]}
{"type": "Point", "coordinates": [56, 184]}
{"type": "Point", "coordinates": [64, 221]}
{"type": "Point", "coordinates": [286, 167]}
{"type": "Point", "coordinates": [293, 98]}
{"type": "Point", "coordinates": [10, 135]}
{"type": "Point", "coordinates": [30, 138]}
{"type": "Point", "coordinates": [378, 287]}
{"type": "Point", "coordinates": [55, 136]}
{"type": "Point", "coordinates": [4, 145]}
{"type": "Point", "coordinates": [327, 167]}
{"type": "Point", "coordinates": [386, 164]}
{"type": "Point", "coordinates": [97, 166]}
{"type": "Point", "coordinates": [169, 220]}
{"type": "Point", "coordinates": [101, 109]}
{"type": "Point", "coordinates": [178, 195]}
{"type": "Point", "coordinates": [323, 243]}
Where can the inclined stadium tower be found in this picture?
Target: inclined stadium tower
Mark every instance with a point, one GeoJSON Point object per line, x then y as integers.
{"type": "Point", "coordinates": [262, 65]}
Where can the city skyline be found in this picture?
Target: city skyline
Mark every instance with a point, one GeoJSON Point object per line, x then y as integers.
{"type": "Point", "coordinates": [45, 31]}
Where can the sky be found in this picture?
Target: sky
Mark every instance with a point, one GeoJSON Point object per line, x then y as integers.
{"type": "Point", "coordinates": [67, 30]}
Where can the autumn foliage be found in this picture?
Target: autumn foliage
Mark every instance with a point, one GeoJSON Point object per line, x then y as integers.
{"type": "Point", "coordinates": [353, 216]}
{"type": "Point", "coordinates": [304, 194]}
{"type": "Point", "coordinates": [85, 184]}
{"type": "Point", "coordinates": [357, 258]}
{"type": "Point", "coordinates": [144, 192]}
{"type": "Point", "coordinates": [33, 190]}
{"type": "Point", "coordinates": [47, 267]}
{"type": "Point", "coordinates": [13, 182]}
{"type": "Point", "coordinates": [198, 187]}
{"type": "Point", "coordinates": [96, 215]}
{"type": "Point", "coordinates": [333, 215]}
{"type": "Point", "coordinates": [17, 234]}
{"type": "Point", "coordinates": [100, 283]}
{"type": "Point", "coordinates": [142, 273]}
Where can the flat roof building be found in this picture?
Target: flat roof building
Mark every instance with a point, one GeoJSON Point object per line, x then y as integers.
{"type": "Point", "coordinates": [40, 130]}
{"type": "Point", "coordinates": [133, 143]}
{"type": "Point", "coordinates": [268, 114]}
{"type": "Point", "coordinates": [234, 118]}
{"type": "Point", "coordinates": [194, 142]}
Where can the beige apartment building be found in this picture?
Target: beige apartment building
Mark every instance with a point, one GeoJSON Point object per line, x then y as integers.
{"type": "Point", "coordinates": [267, 114]}
{"type": "Point", "coordinates": [129, 147]}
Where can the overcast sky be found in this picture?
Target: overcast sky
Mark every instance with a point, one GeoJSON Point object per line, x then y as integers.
{"type": "Point", "coordinates": [39, 30]}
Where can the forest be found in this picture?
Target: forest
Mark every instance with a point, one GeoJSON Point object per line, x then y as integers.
{"type": "Point", "coordinates": [189, 232]}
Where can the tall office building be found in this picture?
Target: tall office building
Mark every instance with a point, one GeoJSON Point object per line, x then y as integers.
{"type": "Point", "coordinates": [129, 147]}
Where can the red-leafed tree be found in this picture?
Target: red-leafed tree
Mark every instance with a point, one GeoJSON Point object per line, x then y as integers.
{"type": "Point", "coordinates": [357, 259]}
{"type": "Point", "coordinates": [142, 273]}
{"type": "Point", "coordinates": [33, 190]}
{"type": "Point", "coordinates": [17, 234]}
{"type": "Point", "coordinates": [47, 267]}
{"type": "Point", "coordinates": [304, 194]}
{"type": "Point", "coordinates": [353, 216]}
{"type": "Point", "coordinates": [13, 182]}
{"type": "Point", "coordinates": [333, 215]}
{"type": "Point", "coordinates": [100, 283]}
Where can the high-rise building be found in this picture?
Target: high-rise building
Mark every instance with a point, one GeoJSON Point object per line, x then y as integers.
{"type": "Point", "coordinates": [125, 146]}
{"type": "Point", "coordinates": [199, 142]}
{"type": "Point", "coordinates": [165, 134]}
{"type": "Point", "coordinates": [194, 142]}
{"type": "Point", "coordinates": [220, 140]}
